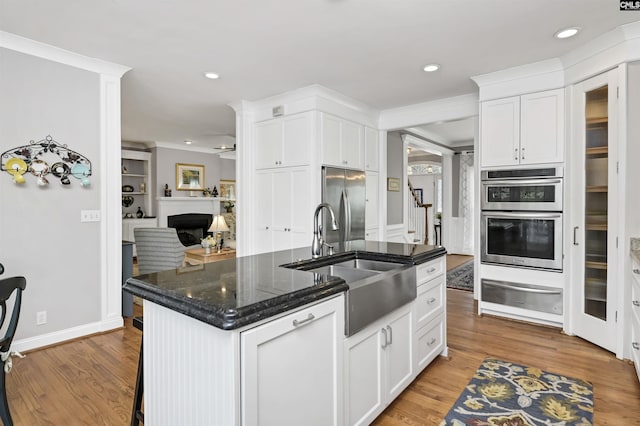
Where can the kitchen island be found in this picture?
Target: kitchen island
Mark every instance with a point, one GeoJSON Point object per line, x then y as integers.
{"type": "Point", "coordinates": [248, 341]}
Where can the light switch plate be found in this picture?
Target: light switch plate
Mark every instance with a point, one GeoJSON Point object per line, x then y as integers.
{"type": "Point", "coordinates": [89, 215]}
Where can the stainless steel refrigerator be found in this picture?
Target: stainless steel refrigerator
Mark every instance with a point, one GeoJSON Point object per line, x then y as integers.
{"type": "Point", "coordinates": [344, 191]}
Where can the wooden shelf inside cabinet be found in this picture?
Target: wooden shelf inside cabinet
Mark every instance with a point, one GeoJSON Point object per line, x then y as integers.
{"type": "Point", "coordinates": [599, 150]}
{"type": "Point", "coordinates": [597, 120]}
{"type": "Point", "coordinates": [133, 175]}
{"type": "Point", "coordinates": [596, 226]}
{"type": "Point", "coordinates": [600, 188]}
{"type": "Point", "coordinates": [133, 193]}
{"type": "Point", "coordinates": [595, 265]}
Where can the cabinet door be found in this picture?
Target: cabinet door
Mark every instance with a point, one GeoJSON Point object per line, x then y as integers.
{"type": "Point", "coordinates": [399, 352]}
{"type": "Point", "coordinates": [301, 222]}
{"type": "Point", "coordinates": [594, 211]}
{"type": "Point", "coordinates": [542, 127]}
{"type": "Point", "coordinates": [330, 130]}
{"type": "Point", "coordinates": [352, 145]}
{"type": "Point", "coordinates": [263, 237]}
{"type": "Point", "coordinates": [371, 204]}
{"type": "Point", "coordinates": [268, 147]}
{"type": "Point", "coordinates": [291, 368]}
{"type": "Point", "coordinates": [500, 132]}
{"type": "Point", "coordinates": [371, 235]}
{"type": "Point", "coordinates": [371, 157]}
{"type": "Point", "coordinates": [282, 201]}
{"type": "Point", "coordinates": [297, 140]}
{"type": "Point", "coordinates": [364, 376]}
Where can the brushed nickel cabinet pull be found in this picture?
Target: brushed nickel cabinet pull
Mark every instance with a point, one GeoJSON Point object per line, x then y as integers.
{"type": "Point", "coordinates": [635, 345]}
{"type": "Point", "coordinates": [385, 344]}
{"type": "Point", "coordinates": [636, 271]}
{"type": "Point", "coordinates": [432, 341]}
{"type": "Point", "coordinates": [575, 235]}
{"type": "Point", "coordinates": [430, 301]}
{"type": "Point", "coordinates": [390, 334]}
{"type": "Point", "coordinates": [430, 270]}
{"type": "Point", "coordinates": [636, 303]}
{"type": "Point", "coordinates": [297, 323]}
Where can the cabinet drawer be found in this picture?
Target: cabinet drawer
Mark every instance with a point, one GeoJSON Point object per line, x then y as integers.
{"type": "Point", "coordinates": [635, 272]}
{"type": "Point", "coordinates": [430, 301]}
{"type": "Point", "coordinates": [635, 346]}
{"type": "Point", "coordinates": [429, 342]}
{"type": "Point", "coordinates": [428, 271]}
{"type": "Point", "coordinates": [635, 302]}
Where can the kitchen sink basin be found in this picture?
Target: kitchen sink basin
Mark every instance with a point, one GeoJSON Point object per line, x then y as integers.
{"type": "Point", "coordinates": [376, 288]}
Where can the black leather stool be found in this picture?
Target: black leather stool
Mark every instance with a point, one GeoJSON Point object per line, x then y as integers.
{"type": "Point", "coordinates": [7, 287]}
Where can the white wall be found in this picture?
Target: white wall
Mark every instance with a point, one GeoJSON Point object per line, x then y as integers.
{"type": "Point", "coordinates": [394, 170]}
{"type": "Point", "coordinates": [42, 237]}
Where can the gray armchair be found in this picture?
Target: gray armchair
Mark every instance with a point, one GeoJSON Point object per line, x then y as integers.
{"type": "Point", "coordinates": [158, 249]}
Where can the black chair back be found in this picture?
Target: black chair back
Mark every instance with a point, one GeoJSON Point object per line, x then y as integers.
{"type": "Point", "coordinates": [7, 287]}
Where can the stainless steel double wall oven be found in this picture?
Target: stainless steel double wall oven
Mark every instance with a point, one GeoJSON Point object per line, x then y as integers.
{"type": "Point", "coordinates": [521, 222]}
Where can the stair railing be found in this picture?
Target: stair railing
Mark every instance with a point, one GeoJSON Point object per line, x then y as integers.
{"type": "Point", "coordinates": [418, 218]}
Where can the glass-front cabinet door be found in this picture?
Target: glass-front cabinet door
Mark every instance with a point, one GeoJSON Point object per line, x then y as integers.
{"type": "Point", "coordinates": [592, 200]}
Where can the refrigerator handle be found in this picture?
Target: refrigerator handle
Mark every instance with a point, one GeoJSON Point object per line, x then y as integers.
{"type": "Point", "coordinates": [347, 215]}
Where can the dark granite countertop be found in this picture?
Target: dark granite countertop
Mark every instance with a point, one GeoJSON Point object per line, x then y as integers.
{"type": "Point", "coordinates": [233, 293]}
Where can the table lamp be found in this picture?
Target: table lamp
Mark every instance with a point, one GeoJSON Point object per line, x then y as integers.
{"type": "Point", "coordinates": [218, 226]}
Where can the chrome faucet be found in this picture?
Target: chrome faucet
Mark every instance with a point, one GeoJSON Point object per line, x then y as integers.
{"type": "Point", "coordinates": [318, 238]}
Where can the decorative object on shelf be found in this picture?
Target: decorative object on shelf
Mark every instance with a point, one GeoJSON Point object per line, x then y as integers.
{"type": "Point", "coordinates": [167, 191]}
{"type": "Point", "coordinates": [127, 188]}
{"type": "Point", "coordinates": [228, 206]}
{"type": "Point", "coordinates": [143, 187]}
{"type": "Point", "coordinates": [127, 200]}
{"type": "Point", "coordinates": [139, 213]}
{"type": "Point", "coordinates": [207, 192]}
{"type": "Point", "coordinates": [219, 226]}
{"type": "Point", "coordinates": [228, 189]}
{"type": "Point", "coordinates": [207, 243]}
{"type": "Point", "coordinates": [189, 177]}
{"type": "Point", "coordinates": [124, 169]}
{"type": "Point", "coordinates": [393, 184]}
{"type": "Point", "coordinates": [214, 193]}
{"type": "Point", "coordinates": [36, 157]}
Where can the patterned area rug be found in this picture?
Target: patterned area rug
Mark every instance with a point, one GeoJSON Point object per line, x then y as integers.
{"type": "Point", "coordinates": [461, 277]}
{"type": "Point", "coordinates": [506, 394]}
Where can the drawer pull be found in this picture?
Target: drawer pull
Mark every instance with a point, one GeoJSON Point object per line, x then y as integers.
{"type": "Point", "coordinates": [390, 334]}
{"type": "Point", "coordinates": [636, 303]}
{"type": "Point", "coordinates": [635, 345]}
{"type": "Point", "coordinates": [430, 301]}
{"type": "Point", "coordinates": [433, 269]}
{"type": "Point", "coordinates": [297, 323]}
{"type": "Point", "coordinates": [385, 344]}
{"type": "Point", "coordinates": [432, 341]}
{"type": "Point", "coordinates": [636, 271]}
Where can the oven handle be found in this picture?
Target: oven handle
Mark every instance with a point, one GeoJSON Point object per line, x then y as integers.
{"type": "Point", "coordinates": [524, 289]}
{"type": "Point", "coordinates": [527, 215]}
{"type": "Point", "coordinates": [516, 182]}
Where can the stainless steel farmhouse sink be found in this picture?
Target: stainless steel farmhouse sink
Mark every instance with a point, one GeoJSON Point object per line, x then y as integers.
{"type": "Point", "coordinates": [376, 287]}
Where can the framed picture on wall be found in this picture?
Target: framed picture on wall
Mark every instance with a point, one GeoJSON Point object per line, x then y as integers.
{"type": "Point", "coordinates": [393, 184]}
{"type": "Point", "coordinates": [189, 177]}
{"type": "Point", "coordinates": [228, 189]}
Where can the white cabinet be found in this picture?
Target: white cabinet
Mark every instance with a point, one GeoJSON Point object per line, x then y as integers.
{"type": "Point", "coordinates": [372, 206]}
{"type": "Point", "coordinates": [292, 368]}
{"type": "Point", "coordinates": [342, 142]}
{"type": "Point", "coordinates": [283, 142]}
{"type": "Point", "coordinates": [378, 366]}
{"type": "Point", "coordinates": [285, 213]}
{"type": "Point", "coordinates": [371, 150]}
{"type": "Point", "coordinates": [635, 316]}
{"type": "Point", "coordinates": [372, 235]}
{"type": "Point", "coordinates": [429, 312]}
{"type": "Point", "coordinates": [137, 186]}
{"type": "Point", "coordinates": [521, 130]}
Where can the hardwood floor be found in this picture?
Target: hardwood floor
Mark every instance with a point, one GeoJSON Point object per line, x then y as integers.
{"type": "Point", "coordinates": [455, 260]}
{"type": "Point", "coordinates": [91, 381]}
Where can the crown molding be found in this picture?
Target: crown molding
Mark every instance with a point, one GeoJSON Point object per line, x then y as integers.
{"type": "Point", "coordinates": [45, 51]}
{"type": "Point", "coordinates": [183, 147]}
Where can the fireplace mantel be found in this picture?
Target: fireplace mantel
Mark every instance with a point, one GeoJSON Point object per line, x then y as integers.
{"type": "Point", "coordinates": [169, 206]}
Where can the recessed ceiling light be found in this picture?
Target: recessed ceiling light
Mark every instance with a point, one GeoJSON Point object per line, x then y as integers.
{"type": "Point", "coordinates": [432, 67]}
{"type": "Point", "coordinates": [211, 75]}
{"type": "Point", "coordinates": [188, 142]}
{"type": "Point", "coordinates": [567, 32]}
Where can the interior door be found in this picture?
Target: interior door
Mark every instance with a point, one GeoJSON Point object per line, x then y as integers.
{"type": "Point", "coordinates": [593, 206]}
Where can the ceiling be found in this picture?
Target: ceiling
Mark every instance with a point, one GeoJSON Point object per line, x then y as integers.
{"type": "Point", "coordinates": [370, 50]}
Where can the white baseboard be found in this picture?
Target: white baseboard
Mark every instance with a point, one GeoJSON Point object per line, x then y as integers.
{"type": "Point", "coordinates": [64, 335]}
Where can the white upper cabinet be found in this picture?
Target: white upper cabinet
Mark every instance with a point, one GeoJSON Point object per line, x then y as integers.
{"type": "Point", "coordinates": [526, 129]}
{"type": "Point", "coordinates": [283, 142]}
{"type": "Point", "coordinates": [371, 157]}
{"type": "Point", "coordinates": [342, 142]}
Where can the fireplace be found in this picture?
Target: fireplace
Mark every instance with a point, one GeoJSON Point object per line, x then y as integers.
{"type": "Point", "coordinates": [191, 227]}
